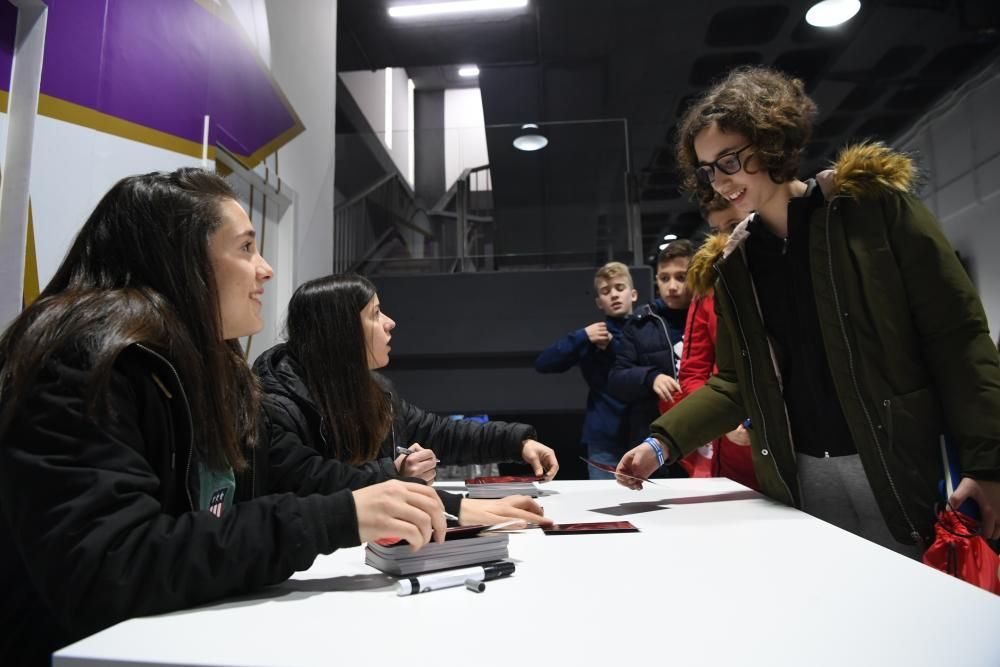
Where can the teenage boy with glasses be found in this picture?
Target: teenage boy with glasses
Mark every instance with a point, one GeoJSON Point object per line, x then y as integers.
{"type": "Point", "coordinates": [848, 331]}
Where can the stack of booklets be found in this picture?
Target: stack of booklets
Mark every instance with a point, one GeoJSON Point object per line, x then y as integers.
{"type": "Point", "coordinates": [502, 486]}
{"type": "Point", "coordinates": [463, 545]}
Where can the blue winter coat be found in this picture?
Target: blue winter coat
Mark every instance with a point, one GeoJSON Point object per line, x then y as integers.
{"type": "Point", "coordinates": [603, 421]}
{"type": "Point", "coordinates": [649, 347]}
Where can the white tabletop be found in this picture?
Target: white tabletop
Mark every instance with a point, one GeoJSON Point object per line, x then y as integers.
{"type": "Point", "coordinates": [718, 575]}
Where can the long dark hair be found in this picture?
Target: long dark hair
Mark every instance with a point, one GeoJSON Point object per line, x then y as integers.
{"type": "Point", "coordinates": [139, 272]}
{"type": "Point", "coordinates": [326, 339]}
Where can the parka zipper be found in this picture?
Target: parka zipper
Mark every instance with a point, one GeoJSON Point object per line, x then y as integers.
{"type": "Point", "coordinates": [753, 382]}
{"type": "Point", "coordinates": [887, 404]}
{"type": "Point", "coordinates": [854, 380]}
{"type": "Point", "coordinates": [187, 409]}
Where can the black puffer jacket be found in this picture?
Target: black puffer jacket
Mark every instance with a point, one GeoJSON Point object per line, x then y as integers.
{"type": "Point", "coordinates": [288, 407]}
{"type": "Point", "coordinates": [98, 519]}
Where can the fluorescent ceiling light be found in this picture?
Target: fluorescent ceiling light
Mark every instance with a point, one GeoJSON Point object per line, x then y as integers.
{"type": "Point", "coordinates": [663, 246]}
{"type": "Point", "coordinates": [460, 7]}
{"type": "Point", "coordinates": [468, 71]}
{"type": "Point", "coordinates": [530, 138]}
{"type": "Point", "coordinates": [830, 13]}
{"type": "Point", "coordinates": [670, 237]}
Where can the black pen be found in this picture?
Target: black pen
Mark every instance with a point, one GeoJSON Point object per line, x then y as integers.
{"type": "Point", "coordinates": [406, 452]}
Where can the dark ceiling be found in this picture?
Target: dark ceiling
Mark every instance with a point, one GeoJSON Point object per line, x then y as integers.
{"type": "Point", "coordinates": [559, 61]}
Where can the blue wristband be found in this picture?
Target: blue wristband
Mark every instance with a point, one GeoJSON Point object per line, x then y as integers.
{"type": "Point", "coordinates": [657, 448]}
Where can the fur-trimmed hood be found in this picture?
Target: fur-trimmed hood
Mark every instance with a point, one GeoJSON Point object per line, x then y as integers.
{"type": "Point", "coordinates": [861, 170]}
{"type": "Point", "coordinates": [700, 276]}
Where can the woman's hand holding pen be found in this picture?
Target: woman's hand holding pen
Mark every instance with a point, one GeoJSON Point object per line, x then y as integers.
{"type": "Point", "coordinates": [475, 511]}
{"type": "Point", "coordinates": [542, 459]}
{"type": "Point", "coordinates": [399, 509]}
{"type": "Point", "coordinates": [416, 462]}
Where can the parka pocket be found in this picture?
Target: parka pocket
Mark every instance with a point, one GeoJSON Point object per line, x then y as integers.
{"type": "Point", "coordinates": [913, 423]}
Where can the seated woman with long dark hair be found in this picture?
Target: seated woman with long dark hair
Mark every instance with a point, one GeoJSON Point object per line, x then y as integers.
{"type": "Point", "coordinates": [320, 389]}
{"type": "Point", "coordinates": [127, 408]}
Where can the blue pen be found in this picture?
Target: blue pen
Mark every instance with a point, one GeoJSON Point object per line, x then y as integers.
{"type": "Point", "coordinates": [472, 577]}
{"type": "Point", "coordinates": [746, 423]}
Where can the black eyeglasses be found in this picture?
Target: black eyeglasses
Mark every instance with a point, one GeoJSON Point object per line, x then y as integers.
{"type": "Point", "coordinates": [728, 163]}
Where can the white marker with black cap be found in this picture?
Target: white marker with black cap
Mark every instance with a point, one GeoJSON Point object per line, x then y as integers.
{"type": "Point", "coordinates": [470, 577]}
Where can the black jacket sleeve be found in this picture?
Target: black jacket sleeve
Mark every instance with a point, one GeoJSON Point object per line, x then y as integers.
{"type": "Point", "coordinates": [461, 442]}
{"type": "Point", "coordinates": [294, 467]}
{"type": "Point", "coordinates": [81, 502]}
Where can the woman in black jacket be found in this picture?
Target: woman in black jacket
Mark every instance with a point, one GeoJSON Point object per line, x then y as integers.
{"type": "Point", "coordinates": [126, 409]}
{"type": "Point", "coordinates": [319, 387]}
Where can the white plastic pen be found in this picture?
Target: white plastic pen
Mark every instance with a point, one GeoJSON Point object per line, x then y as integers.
{"type": "Point", "coordinates": [471, 577]}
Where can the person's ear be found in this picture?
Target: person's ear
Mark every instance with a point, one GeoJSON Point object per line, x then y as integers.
{"type": "Point", "coordinates": [597, 302]}
{"type": "Point", "coordinates": [635, 295]}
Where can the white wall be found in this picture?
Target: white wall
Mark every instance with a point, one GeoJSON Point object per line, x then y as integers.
{"type": "Point", "coordinates": [369, 92]}
{"type": "Point", "coordinates": [465, 132]}
{"type": "Point", "coordinates": [71, 169]}
{"type": "Point", "coordinates": [303, 44]}
{"type": "Point", "coordinates": [252, 15]}
{"type": "Point", "coordinates": [959, 146]}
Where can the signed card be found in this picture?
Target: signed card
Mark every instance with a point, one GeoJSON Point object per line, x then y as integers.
{"type": "Point", "coordinates": [591, 528]}
{"type": "Point", "coordinates": [505, 479]}
{"type": "Point", "coordinates": [611, 469]}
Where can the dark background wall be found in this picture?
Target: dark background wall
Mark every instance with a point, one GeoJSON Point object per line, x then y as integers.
{"type": "Point", "coordinates": [428, 117]}
{"type": "Point", "coordinates": [466, 344]}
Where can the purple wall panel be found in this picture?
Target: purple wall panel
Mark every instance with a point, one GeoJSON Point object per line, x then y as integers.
{"type": "Point", "coordinates": [71, 66]}
{"type": "Point", "coordinates": [162, 65]}
{"type": "Point", "coordinates": [8, 31]}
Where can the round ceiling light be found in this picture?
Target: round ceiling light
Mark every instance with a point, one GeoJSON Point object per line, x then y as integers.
{"type": "Point", "coordinates": [530, 138]}
{"type": "Point", "coordinates": [830, 13]}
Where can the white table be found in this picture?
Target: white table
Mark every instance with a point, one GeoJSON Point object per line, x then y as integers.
{"type": "Point", "coordinates": [718, 575]}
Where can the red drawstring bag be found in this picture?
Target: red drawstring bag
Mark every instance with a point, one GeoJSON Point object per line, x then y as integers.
{"type": "Point", "coordinates": [959, 550]}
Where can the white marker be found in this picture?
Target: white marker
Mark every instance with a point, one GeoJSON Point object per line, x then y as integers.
{"type": "Point", "coordinates": [450, 578]}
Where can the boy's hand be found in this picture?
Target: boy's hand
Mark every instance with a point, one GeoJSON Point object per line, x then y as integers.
{"type": "Point", "coordinates": [598, 334]}
{"type": "Point", "coordinates": [987, 496]}
{"type": "Point", "coordinates": [739, 436]}
{"type": "Point", "coordinates": [640, 461]}
{"type": "Point", "coordinates": [542, 459]}
{"type": "Point", "coordinates": [665, 387]}
{"type": "Point", "coordinates": [420, 463]}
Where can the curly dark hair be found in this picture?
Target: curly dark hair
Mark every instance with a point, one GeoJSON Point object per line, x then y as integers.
{"type": "Point", "coordinates": [770, 108]}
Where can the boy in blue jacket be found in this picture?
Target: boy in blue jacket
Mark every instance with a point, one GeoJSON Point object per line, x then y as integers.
{"type": "Point", "coordinates": [594, 348]}
{"type": "Point", "coordinates": [648, 360]}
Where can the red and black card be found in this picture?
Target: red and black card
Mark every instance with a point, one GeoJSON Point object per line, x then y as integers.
{"type": "Point", "coordinates": [591, 528]}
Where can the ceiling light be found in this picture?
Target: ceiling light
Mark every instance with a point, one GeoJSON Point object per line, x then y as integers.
{"type": "Point", "coordinates": [830, 13]}
{"type": "Point", "coordinates": [670, 237]}
{"type": "Point", "coordinates": [530, 138]}
{"type": "Point", "coordinates": [468, 71]}
{"type": "Point", "coordinates": [461, 7]}
{"type": "Point", "coordinates": [663, 246]}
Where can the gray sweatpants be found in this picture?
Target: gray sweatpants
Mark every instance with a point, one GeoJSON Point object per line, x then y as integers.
{"type": "Point", "coordinates": [837, 491]}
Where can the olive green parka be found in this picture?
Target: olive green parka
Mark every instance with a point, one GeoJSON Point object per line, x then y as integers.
{"type": "Point", "coordinates": [904, 333]}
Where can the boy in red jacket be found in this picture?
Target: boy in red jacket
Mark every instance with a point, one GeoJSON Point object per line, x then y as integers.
{"type": "Point", "coordinates": [729, 455]}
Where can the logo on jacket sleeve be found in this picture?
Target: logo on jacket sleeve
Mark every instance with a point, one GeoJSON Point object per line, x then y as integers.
{"type": "Point", "coordinates": [217, 503]}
